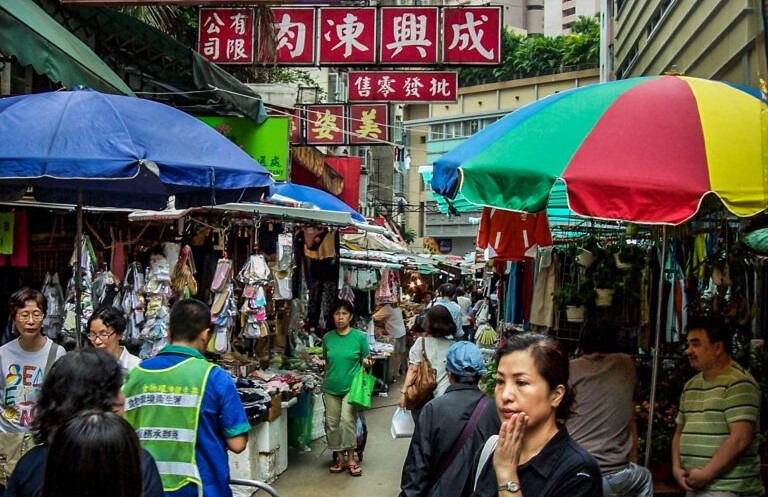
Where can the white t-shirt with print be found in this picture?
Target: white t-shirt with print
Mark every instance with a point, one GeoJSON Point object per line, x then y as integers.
{"type": "Point", "coordinates": [20, 383]}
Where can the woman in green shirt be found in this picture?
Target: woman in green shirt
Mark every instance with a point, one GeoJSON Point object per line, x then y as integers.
{"type": "Point", "coordinates": [344, 350]}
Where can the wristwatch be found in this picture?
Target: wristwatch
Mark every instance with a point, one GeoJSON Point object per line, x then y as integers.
{"type": "Point", "coordinates": [510, 486]}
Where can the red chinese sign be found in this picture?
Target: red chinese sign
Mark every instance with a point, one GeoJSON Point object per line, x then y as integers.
{"type": "Point", "coordinates": [347, 36]}
{"type": "Point", "coordinates": [295, 35]}
{"type": "Point", "coordinates": [409, 35]}
{"type": "Point", "coordinates": [296, 126]}
{"type": "Point", "coordinates": [368, 123]}
{"type": "Point", "coordinates": [472, 35]}
{"type": "Point", "coordinates": [325, 124]}
{"type": "Point", "coordinates": [402, 86]}
{"type": "Point", "coordinates": [226, 35]}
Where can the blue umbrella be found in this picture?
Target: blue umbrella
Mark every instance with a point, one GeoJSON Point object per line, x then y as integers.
{"type": "Point", "coordinates": [306, 196]}
{"type": "Point", "coordinates": [118, 151]}
{"type": "Point", "coordinates": [94, 149]}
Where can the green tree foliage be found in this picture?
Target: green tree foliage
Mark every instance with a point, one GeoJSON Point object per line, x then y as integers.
{"type": "Point", "coordinates": [523, 56]}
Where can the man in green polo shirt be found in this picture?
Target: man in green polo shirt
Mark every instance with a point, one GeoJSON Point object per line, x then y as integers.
{"type": "Point", "coordinates": [714, 450]}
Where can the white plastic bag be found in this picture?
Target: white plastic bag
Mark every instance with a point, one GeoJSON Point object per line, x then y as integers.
{"type": "Point", "coordinates": [402, 424]}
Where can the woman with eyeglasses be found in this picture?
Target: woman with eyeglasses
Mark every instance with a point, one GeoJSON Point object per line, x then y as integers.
{"type": "Point", "coordinates": [25, 361]}
{"type": "Point", "coordinates": [105, 331]}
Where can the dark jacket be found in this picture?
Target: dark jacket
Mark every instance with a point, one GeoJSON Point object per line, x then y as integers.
{"type": "Point", "coordinates": [27, 478]}
{"type": "Point", "coordinates": [440, 425]}
{"type": "Point", "coordinates": [561, 469]}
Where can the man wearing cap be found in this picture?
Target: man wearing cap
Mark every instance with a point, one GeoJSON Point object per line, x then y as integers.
{"type": "Point", "coordinates": [451, 429]}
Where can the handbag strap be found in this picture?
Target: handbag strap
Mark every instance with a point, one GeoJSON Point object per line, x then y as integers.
{"type": "Point", "coordinates": [51, 357]}
{"type": "Point", "coordinates": [485, 455]}
{"type": "Point", "coordinates": [468, 429]}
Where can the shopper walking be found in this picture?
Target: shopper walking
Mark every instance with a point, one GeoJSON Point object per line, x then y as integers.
{"type": "Point", "coordinates": [105, 331]}
{"type": "Point", "coordinates": [345, 351]}
{"type": "Point", "coordinates": [451, 429]}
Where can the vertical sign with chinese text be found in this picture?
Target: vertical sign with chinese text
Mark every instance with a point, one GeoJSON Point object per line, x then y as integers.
{"type": "Point", "coordinates": [409, 35]}
{"type": "Point", "coordinates": [368, 123]}
{"type": "Point", "coordinates": [295, 36]}
{"type": "Point", "coordinates": [347, 35]}
{"type": "Point", "coordinates": [325, 124]}
{"type": "Point", "coordinates": [472, 35]}
{"type": "Point", "coordinates": [226, 35]}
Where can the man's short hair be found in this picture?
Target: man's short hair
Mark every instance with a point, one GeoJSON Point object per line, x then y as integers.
{"type": "Point", "coordinates": [602, 338]}
{"type": "Point", "coordinates": [189, 318]}
{"type": "Point", "coordinates": [448, 290]}
{"type": "Point", "coordinates": [714, 327]}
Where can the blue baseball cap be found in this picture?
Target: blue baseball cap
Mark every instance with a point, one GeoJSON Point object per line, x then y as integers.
{"type": "Point", "coordinates": [465, 359]}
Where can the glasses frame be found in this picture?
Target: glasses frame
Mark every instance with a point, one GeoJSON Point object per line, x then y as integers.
{"type": "Point", "coordinates": [36, 316]}
{"type": "Point", "coordinates": [101, 336]}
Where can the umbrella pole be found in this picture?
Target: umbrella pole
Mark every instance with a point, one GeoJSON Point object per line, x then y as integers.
{"type": "Point", "coordinates": [655, 351]}
{"type": "Point", "coordinates": [79, 268]}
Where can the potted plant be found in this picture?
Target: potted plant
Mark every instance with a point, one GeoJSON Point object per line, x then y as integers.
{"type": "Point", "coordinates": [605, 277]}
{"type": "Point", "coordinates": [573, 298]}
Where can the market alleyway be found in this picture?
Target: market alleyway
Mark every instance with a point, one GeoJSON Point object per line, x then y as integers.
{"type": "Point", "coordinates": [308, 475]}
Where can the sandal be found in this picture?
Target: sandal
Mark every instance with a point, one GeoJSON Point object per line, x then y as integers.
{"type": "Point", "coordinates": [337, 467]}
{"type": "Point", "coordinates": [355, 469]}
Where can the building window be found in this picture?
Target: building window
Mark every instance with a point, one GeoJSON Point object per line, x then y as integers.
{"type": "Point", "coordinates": [657, 15]}
{"type": "Point", "coordinates": [569, 12]}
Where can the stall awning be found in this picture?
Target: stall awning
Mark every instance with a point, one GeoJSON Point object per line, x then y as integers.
{"type": "Point", "coordinates": [154, 62]}
{"type": "Point", "coordinates": [28, 33]}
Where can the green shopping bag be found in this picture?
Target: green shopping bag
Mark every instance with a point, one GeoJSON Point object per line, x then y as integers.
{"type": "Point", "coordinates": [362, 388]}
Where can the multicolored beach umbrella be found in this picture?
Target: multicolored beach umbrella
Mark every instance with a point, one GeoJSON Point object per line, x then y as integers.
{"type": "Point", "coordinates": [644, 149]}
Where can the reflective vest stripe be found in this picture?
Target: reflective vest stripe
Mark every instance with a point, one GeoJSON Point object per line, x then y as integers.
{"type": "Point", "coordinates": [178, 468]}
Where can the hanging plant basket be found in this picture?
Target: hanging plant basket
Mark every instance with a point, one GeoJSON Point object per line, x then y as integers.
{"type": "Point", "coordinates": [604, 297]}
{"type": "Point", "coordinates": [575, 313]}
{"type": "Point", "coordinates": [624, 266]}
{"type": "Point", "coordinates": [585, 258]}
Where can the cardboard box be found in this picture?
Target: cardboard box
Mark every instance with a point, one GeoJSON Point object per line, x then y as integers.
{"type": "Point", "coordinates": [275, 409]}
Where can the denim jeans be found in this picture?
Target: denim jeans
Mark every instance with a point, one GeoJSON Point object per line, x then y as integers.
{"type": "Point", "coordinates": [633, 481]}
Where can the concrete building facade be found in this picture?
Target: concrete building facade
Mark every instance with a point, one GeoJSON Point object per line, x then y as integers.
{"type": "Point", "coordinates": [713, 39]}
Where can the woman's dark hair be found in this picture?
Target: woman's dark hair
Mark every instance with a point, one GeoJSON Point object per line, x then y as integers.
{"type": "Point", "coordinates": [20, 298]}
{"type": "Point", "coordinates": [111, 317]}
{"type": "Point", "coordinates": [438, 321]}
{"type": "Point", "coordinates": [79, 380]}
{"type": "Point", "coordinates": [189, 318]}
{"type": "Point", "coordinates": [94, 453]}
{"type": "Point", "coordinates": [346, 305]}
{"type": "Point", "coordinates": [551, 362]}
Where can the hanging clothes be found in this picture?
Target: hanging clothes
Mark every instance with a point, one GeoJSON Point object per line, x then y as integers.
{"type": "Point", "coordinates": [20, 255]}
{"type": "Point", "coordinates": [512, 236]}
{"type": "Point", "coordinates": [545, 287]}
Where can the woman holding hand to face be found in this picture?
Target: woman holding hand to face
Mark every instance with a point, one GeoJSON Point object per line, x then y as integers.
{"type": "Point", "coordinates": [534, 456]}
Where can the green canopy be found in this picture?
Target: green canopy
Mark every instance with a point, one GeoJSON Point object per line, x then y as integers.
{"type": "Point", "coordinates": [28, 33]}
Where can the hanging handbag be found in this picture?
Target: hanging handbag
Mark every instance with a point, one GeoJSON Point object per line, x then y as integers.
{"type": "Point", "coordinates": [362, 388]}
{"type": "Point", "coordinates": [421, 389]}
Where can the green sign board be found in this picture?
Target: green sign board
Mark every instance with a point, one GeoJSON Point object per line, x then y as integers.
{"type": "Point", "coordinates": [266, 142]}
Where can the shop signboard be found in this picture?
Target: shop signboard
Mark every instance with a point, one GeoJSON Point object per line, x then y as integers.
{"type": "Point", "coordinates": [402, 86]}
{"type": "Point", "coordinates": [368, 124]}
{"type": "Point", "coordinates": [409, 35]}
{"type": "Point", "coordinates": [266, 142]}
{"type": "Point", "coordinates": [294, 30]}
{"type": "Point", "coordinates": [325, 124]}
{"type": "Point", "coordinates": [472, 35]}
{"type": "Point", "coordinates": [225, 36]}
{"type": "Point", "coordinates": [347, 36]}
{"type": "Point", "coordinates": [297, 126]}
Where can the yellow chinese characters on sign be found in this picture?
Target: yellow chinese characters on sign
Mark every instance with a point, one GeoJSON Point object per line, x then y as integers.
{"type": "Point", "coordinates": [369, 123]}
{"type": "Point", "coordinates": [325, 125]}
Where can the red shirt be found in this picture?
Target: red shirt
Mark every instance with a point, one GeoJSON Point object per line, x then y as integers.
{"type": "Point", "coordinates": [512, 236]}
